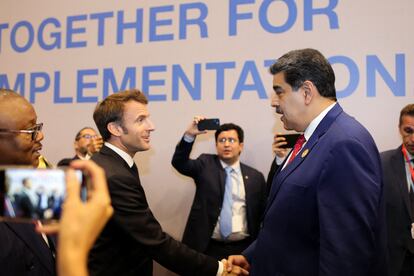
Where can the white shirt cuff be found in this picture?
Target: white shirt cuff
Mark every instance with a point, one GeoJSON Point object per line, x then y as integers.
{"type": "Point", "coordinates": [220, 269]}
{"type": "Point", "coordinates": [189, 138]}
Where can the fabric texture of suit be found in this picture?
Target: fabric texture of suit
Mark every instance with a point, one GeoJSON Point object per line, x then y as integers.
{"type": "Point", "coordinates": [66, 161]}
{"type": "Point", "coordinates": [133, 237]}
{"type": "Point", "coordinates": [209, 177]}
{"type": "Point", "coordinates": [23, 252]}
{"type": "Point", "coordinates": [398, 210]}
{"type": "Point", "coordinates": [273, 169]}
{"type": "Point", "coordinates": [325, 213]}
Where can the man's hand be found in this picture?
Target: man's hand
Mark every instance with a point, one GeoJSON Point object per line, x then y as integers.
{"type": "Point", "coordinates": [81, 222]}
{"type": "Point", "coordinates": [95, 145]}
{"type": "Point", "coordinates": [237, 260]}
{"type": "Point", "coordinates": [276, 146]}
{"type": "Point", "coordinates": [192, 129]}
{"type": "Point", "coordinates": [235, 270]}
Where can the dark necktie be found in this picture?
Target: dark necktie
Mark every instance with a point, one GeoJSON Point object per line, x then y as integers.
{"type": "Point", "coordinates": [296, 148]}
{"type": "Point", "coordinates": [134, 169]}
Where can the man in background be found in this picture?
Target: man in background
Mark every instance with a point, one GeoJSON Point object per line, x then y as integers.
{"type": "Point", "coordinates": [22, 250]}
{"type": "Point", "coordinates": [86, 143]}
{"type": "Point", "coordinates": [230, 196]}
{"type": "Point", "coordinates": [399, 197]}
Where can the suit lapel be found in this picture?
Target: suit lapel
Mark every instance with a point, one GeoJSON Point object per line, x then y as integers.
{"type": "Point", "coordinates": [107, 151]}
{"type": "Point", "coordinates": [282, 174]}
{"type": "Point", "coordinates": [398, 167]}
{"type": "Point", "coordinates": [221, 177]}
{"type": "Point", "coordinates": [35, 242]}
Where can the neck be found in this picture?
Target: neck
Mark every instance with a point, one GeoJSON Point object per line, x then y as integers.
{"type": "Point", "coordinates": [118, 143]}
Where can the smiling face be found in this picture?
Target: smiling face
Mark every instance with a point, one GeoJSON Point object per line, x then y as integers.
{"type": "Point", "coordinates": [290, 104]}
{"type": "Point", "coordinates": [407, 132]}
{"type": "Point", "coordinates": [16, 113]}
{"type": "Point", "coordinates": [136, 127]}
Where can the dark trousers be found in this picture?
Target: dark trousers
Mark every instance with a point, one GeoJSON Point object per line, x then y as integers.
{"type": "Point", "coordinates": [408, 265]}
{"type": "Point", "coordinates": [220, 249]}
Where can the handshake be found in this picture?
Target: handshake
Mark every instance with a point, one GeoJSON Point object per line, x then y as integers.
{"type": "Point", "coordinates": [235, 265]}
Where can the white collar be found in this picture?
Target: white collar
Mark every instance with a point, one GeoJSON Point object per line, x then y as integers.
{"type": "Point", "coordinates": [121, 153]}
{"type": "Point", "coordinates": [235, 166]}
{"type": "Point", "coordinates": [315, 122]}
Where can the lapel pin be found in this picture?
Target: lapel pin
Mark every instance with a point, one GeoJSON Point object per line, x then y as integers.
{"type": "Point", "coordinates": [304, 153]}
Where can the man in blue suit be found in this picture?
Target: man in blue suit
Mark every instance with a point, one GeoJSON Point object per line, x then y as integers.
{"type": "Point", "coordinates": [325, 212]}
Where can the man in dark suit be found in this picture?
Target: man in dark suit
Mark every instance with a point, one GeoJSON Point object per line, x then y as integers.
{"type": "Point", "coordinates": [280, 155]}
{"type": "Point", "coordinates": [22, 250]}
{"type": "Point", "coordinates": [399, 197]}
{"type": "Point", "coordinates": [133, 237]}
{"type": "Point", "coordinates": [86, 143]}
{"type": "Point", "coordinates": [325, 212]}
{"type": "Point", "coordinates": [248, 189]}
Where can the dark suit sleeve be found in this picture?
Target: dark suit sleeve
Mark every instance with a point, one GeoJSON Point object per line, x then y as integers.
{"type": "Point", "coordinates": [349, 193]}
{"type": "Point", "coordinates": [133, 215]}
{"type": "Point", "coordinates": [181, 160]}
{"type": "Point", "coordinates": [273, 168]}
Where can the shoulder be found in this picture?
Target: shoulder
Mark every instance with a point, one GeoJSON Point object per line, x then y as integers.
{"type": "Point", "coordinates": [251, 170]}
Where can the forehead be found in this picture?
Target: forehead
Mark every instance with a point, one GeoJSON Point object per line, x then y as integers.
{"type": "Point", "coordinates": [279, 79]}
{"type": "Point", "coordinates": [16, 113]}
{"type": "Point", "coordinates": [228, 133]}
{"type": "Point", "coordinates": [135, 109]}
{"type": "Point", "coordinates": [88, 131]}
{"type": "Point", "coordinates": [407, 120]}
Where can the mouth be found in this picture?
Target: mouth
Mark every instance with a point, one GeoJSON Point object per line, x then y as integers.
{"type": "Point", "coordinates": [278, 110]}
{"type": "Point", "coordinates": [38, 148]}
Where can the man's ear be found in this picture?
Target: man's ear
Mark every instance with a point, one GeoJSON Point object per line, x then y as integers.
{"type": "Point", "coordinates": [309, 90]}
{"type": "Point", "coordinates": [115, 129]}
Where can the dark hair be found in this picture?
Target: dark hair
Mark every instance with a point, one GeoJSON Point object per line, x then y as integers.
{"type": "Point", "coordinates": [303, 65]}
{"type": "Point", "coordinates": [230, 126]}
{"type": "Point", "coordinates": [408, 110]}
{"type": "Point", "coordinates": [111, 109]}
{"type": "Point", "coordinates": [78, 135]}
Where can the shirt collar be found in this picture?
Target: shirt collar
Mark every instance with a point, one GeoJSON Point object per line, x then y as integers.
{"type": "Point", "coordinates": [410, 156]}
{"type": "Point", "coordinates": [235, 166]}
{"type": "Point", "coordinates": [121, 153]}
{"type": "Point", "coordinates": [315, 122]}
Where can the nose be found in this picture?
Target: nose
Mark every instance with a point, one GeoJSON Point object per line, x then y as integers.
{"type": "Point", "coordinates": [150, 124]}
{"type": "Point", "coordinates": [39, 136]}
{"type": "Point", "coordinates": [273, 100]}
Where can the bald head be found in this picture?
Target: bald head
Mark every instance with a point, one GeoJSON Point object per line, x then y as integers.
{"type": "Point", "coordinates": [16, 113]}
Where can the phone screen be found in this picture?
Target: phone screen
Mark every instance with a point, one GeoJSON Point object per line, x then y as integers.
{"type": "Point", "coordinates": [208, 124]}
{"type": "Point", "coordinates": [33, 194]}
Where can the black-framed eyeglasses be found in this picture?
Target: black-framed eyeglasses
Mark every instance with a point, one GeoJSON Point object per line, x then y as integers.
{"type": "Point", "coordinates": [87, 136]}
{"type": "Point", "coordinates": [231, 140]}
{"type": "Point", "coordinates": [33, 130]}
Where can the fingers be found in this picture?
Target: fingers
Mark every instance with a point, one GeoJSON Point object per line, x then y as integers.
{"type": "Point", "coordinates": [239, 260]}
{"type": "Point", "coordinates": [197, 119]}
{"type": "Point", "coordinates": [48, 229]}
{"type": "Point", "coordinates": [72, 186]}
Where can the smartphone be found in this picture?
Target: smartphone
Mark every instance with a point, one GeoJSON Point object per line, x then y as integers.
{"type": "Point", "coordinates": [28, 194]}
{"type": "Point", "coordinates": [208, 124]}
{"type": "Point", "coordinates": [290, 139]}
